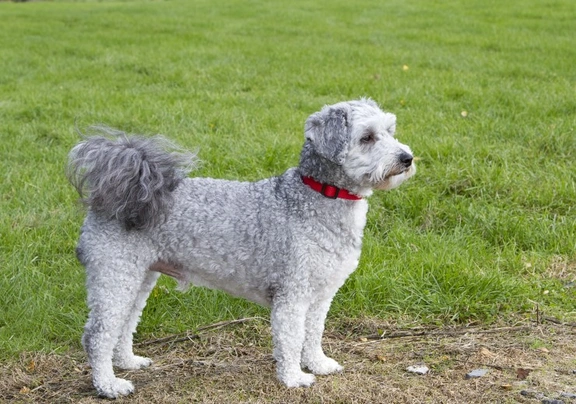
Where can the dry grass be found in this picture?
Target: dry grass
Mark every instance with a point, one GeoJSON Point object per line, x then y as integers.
{"type": "Point", "coordinates": [234, 365]}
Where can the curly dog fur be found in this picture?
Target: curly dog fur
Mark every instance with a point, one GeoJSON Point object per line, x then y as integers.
{"type": "Point", "coordinates": [277, 242]}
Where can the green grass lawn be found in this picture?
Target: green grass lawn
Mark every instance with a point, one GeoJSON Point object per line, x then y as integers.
{"type": "Point", "coordinates": [484, 92]}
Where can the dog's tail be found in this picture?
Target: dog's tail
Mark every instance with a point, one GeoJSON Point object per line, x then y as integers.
{"type": "Point", "coordinates": [127, 177]}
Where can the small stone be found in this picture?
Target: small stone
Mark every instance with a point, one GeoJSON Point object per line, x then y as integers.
{"type": "Point", "coordinates": [532, 394]}
{"type": "Point", "coordinates": [567, 395]}
{"type": "Point", "coordinates": [551, 401]}
{"type": "Point", "coordinates": [476, 373]}
{"type": "Point", "coordinates": [418, 369]}
{"type": "Point", "coordinates": [506, 386]}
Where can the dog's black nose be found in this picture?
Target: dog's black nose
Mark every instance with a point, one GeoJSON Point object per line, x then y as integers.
{"type": "Point", "coordinates": [405, 159]}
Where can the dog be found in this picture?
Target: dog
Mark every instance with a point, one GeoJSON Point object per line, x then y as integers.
{"type": "Point", "coordinates": [287, 242]}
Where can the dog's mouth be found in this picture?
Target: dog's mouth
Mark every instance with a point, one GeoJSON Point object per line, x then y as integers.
{"type": "Point", "coordinates": [395, 177]}
{"type": "Point", "coordinates": [397, 172]}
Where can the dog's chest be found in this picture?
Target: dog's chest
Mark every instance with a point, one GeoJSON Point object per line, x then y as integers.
{"type": "Point", "coordinates": [336, 242]}
{"type": "Point", "coordinates": [341, 230]}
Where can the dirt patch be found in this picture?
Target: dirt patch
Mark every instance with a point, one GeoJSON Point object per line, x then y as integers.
{"type": "Point", "coordinates": [232, 363]}
{"type": "Point", "coordinates": [561, 269]}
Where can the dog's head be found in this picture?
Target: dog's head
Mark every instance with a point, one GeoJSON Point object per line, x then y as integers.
{"type": "Point", "coordinates": [359, 137]}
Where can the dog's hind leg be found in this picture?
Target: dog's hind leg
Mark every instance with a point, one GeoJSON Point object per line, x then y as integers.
{"type": "Point", "coordinates": [113, 287]}
{"type": "Point", "coordinates": [123, 356]}
{"type": "Point", "coordinates": [313, 357]}
{"type": "Point", "coordinates": [288, 318]}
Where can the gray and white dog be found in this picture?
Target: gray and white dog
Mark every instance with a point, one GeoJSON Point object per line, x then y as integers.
{"type": "Point", "coordinates": [287, 242]}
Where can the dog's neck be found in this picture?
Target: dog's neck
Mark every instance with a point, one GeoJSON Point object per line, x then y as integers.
{"type": "Point", "coordinates": [327, 172]}
{"type": "Point", "coordinates": [330, 191]}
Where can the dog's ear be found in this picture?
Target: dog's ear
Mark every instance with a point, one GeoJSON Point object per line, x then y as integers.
{"type": "Point", "coordinates": [328, 132]}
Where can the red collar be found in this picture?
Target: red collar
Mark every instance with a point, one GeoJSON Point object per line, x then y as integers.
{"type": "Point", "coordinates": [330, 191]}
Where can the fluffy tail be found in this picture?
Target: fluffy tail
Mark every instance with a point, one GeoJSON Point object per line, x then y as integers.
{"type": "Point", "coordinates": [130, 178]}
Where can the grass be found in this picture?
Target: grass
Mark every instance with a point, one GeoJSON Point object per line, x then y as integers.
{"type": "Point", "coordinates": [483, 91]}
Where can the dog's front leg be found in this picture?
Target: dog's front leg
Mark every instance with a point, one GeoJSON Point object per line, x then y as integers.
{"type": "Point", "coordinates": [288, 322]}
{"type": "Point", "coordinates": [313, 357]}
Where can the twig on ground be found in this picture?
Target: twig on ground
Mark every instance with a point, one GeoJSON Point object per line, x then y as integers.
{"type": "Point", "coordinates": [497, 367]}
{"type": "Point", "coordinates": [188, 336]}
{"type": "Point", "coordinates": [227, 323]}
{"type": "Point", "coordinates": [431, 333]}
{"type": "Point", "coordinates": [556, 321]}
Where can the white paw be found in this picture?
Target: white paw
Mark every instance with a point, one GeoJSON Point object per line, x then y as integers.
{"type": "Point", "coordinates": [133, 362]}
{"type": "Point", "coordinates": [299, 379]}
{"type": "Point", "coordinates": [324, 366]}
{"type": "Point", "coordinates": [116, 388]}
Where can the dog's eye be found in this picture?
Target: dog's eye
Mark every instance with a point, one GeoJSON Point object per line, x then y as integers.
{"type": "Point", "coordinates": [368, 138]}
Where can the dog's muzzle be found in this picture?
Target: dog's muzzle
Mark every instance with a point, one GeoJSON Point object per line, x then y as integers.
{"type": "Point", "coordinates": [403, 170]}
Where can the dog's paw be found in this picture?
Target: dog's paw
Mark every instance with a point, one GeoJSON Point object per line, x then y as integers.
{"type": "Point", "coordinates": [324, 366]}
{"type": "Point", "coordinates": [116, 388]}
{"type": "Point", "coordinates": [298, 379]}
{"type": "Point", "coordinates": [133, 362]}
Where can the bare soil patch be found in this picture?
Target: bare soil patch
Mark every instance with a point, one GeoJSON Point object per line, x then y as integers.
{"type": "Point", "coordinates": [232, 363]}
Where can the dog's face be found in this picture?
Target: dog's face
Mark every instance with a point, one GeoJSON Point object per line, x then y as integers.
{"type": "Point", "coordinates": [359, 136]}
